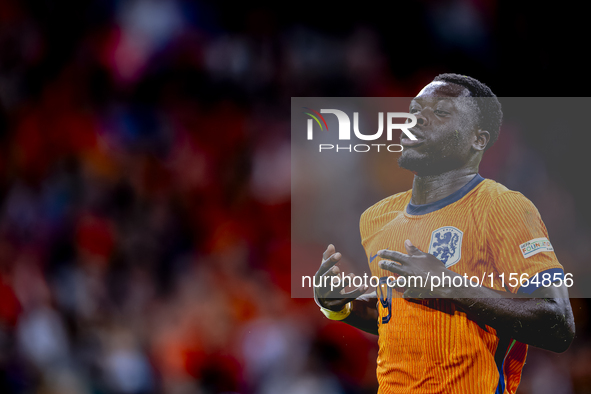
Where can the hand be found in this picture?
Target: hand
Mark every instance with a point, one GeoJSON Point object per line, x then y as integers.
{"type": "Point", "coordinates": [336, 298]}
{"type": "Point", "coordinates": [417, 264]}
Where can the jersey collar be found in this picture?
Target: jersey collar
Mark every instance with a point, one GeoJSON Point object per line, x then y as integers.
{"type": "Point", "coordinates": [422, 209]}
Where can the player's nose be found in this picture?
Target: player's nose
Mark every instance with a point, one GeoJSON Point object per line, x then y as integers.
{"type": "Point", "coordinates": [422, 120]}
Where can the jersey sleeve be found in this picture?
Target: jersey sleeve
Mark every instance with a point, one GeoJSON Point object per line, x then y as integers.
{"type": "Point", "coordinates": [517, 243]}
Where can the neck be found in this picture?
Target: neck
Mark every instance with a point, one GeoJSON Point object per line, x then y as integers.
{"type": "Point", "coordinates": [431, 188]}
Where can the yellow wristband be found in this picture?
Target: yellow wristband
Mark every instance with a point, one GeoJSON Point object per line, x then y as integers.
{"type": "Point", "coordinates": [337, 315]}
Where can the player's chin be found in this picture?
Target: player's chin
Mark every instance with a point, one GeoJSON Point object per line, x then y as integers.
{"type": "Point", "coordinates": [413, 161]}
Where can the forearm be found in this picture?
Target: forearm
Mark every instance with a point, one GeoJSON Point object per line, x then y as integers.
{"type": "Point", "coordinates": [543, 319]}
{"type": "Point", "coordinates": [545, 322]}
{"type": "Point", "coordinates": [364, 313]}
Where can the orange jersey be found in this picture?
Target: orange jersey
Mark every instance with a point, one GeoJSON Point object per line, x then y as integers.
{"type": "Point", "coordinates": [430, 346]}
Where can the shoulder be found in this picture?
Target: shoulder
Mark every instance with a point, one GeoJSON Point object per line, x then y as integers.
{"type": "Point", "coordinates": [381, 212]}
{"type": "Point", "coordinates": [494, 195]}
{"type": "Point", "coordinates": [507, 207]}
{"type": "Point", "coordinates": [491, 190]}
{"type": "Point", "coordinates": [396, 202]}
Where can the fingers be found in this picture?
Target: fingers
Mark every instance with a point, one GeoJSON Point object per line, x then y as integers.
{"type": "Point", "coordinates": [344, 282]}
{"type": "Point", "coordinates": [328, 252]}
{"type": "Point", "coordinates": [332, 271]}
{"type": "Point", "coordinates": [336, 284]}
{"type": "Point", "coordinates": [411, 249]}
{"type": "Point", "coordinates": [353, 295]}
{"type": "Point", "coordinates": [328, 263]}
{"type": "Point", "coordinates": [392, 267]}
{"type": "Point", "coordinates": [395, 256]}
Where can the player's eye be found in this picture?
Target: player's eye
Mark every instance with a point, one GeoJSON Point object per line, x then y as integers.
{"type": "Point", "coordinates": [413, 110]}
{"type": "Point", "coordinates": [441, 113]}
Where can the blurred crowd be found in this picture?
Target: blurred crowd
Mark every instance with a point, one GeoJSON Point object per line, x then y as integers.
{"type": "Point", "coordinates": [145, 199]}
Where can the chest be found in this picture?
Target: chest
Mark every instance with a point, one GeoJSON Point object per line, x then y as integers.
{"type": "Point", "coordinates": [457, 238]}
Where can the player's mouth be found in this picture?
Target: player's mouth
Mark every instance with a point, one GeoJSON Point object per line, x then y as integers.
{"type": "Point", "coordinates": [407, 142]}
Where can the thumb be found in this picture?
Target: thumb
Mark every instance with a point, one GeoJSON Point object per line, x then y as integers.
{"type": "Point", "coordinates": [411, 249]}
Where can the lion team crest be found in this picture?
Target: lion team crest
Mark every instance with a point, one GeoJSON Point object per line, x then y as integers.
{"type": "Point", "coordinates": [446, 245]}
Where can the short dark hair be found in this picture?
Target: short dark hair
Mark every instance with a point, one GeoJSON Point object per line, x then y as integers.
{"type": "Point", "coordinates": [491, 115]}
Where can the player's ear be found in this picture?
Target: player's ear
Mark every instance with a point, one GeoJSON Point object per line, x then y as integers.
{"type": "Point", "coordinates": [482, 137]}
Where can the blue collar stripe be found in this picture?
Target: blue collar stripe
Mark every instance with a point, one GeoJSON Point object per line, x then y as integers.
{"type": "Point", "coordinates": [412, 209]}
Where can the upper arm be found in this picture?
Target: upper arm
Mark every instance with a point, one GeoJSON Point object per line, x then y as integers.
{"type": "Point", "coordinates": [556, 292]}
{"type": "Point", "coordinates": [518, 244]}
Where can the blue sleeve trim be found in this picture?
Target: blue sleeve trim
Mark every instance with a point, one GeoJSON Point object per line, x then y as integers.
{"type": "Point", "coordinates": [531, 287]}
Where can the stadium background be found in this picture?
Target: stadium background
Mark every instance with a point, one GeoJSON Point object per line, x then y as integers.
{"type": "Point", "coordinates": [145, 193]}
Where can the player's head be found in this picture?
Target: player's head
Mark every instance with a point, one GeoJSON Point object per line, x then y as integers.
{"type": "Point", "coordinates": [458, 118]}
